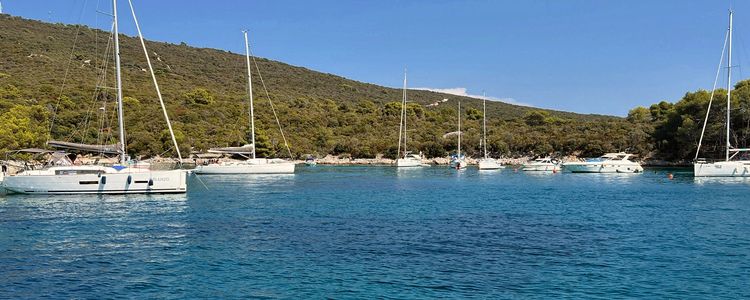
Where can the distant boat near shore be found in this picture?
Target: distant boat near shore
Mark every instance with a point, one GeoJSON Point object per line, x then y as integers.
{"type": "Point", "coordinates": [252, 165]}
{"type": "Point", "coordinates": [608, 163]}
{"type": "Point", "coordinates": [408, 159]}
{"type": "Point", "coordinates": [546, 164]}
{"type": "Point", "coordinates": [458, 160]}
{"type": "Point", "coordinates": [486, 162]}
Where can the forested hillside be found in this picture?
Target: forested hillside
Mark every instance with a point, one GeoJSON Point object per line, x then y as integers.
{"type": "Point", "coordinates": [205, 91]}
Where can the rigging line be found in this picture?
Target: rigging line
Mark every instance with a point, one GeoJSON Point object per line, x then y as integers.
{"type": "Point", "coordinates": [711, 99]}
{"type": "Point", "coordinates": [156, 84]}
{"type": "Point", "coordinates": [273, 109]}
{"type": "Point", "coordinates": [83, 130]}
{"type": "Point", "coordinates": [105, 94]}
{"type": "Point", "coordinates": [67, 70]}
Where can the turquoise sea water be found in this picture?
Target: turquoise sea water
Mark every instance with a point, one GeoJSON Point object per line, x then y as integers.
{"type": "Point", "coordinates": [379, 232]}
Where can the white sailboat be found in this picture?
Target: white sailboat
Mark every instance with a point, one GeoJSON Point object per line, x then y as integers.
{"type": "Point", "coordinates": [487, 162]}
{"type": "Point", "coordinates": [252, 165]}
{"type": "Point", "coordinates": [409, 159]}
{"type": "Point", "coordinates": [458, 161]}
{"type": "Point", "coordinates": [122, 178]}
{"type": "Point", "coordinates": [729, 167]}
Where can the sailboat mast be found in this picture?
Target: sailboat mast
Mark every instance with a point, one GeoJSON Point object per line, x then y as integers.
{"type": "Point", "coordinates": [402, 122]}
{"type": "Point", "coordinates": [120, 122]}
{"type": "Point", "coordinates": [729, 82]}
{"type": "Point", "coordinates": [459, 130]}
{"type": "Point", "coordinates": [403, 108]}
{"type": "Point", "coordinates": [484, 122]}
{"type": "Point", "coordinates": [250, 92]}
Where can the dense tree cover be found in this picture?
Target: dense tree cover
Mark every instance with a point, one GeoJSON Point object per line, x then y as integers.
{"type": "Point", "coordinates": [205, 93]}
{"type": "Point", "coordinates": [674, 128]}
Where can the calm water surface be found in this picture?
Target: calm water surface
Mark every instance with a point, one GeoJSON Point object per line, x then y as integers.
{"type": "Point", "coordinates": [378, 232]}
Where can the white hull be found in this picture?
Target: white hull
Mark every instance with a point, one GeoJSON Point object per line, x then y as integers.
{"type": "Point", "coordinates": [722, 169]}
{"type": "Point", "coordinates": [408, 162]}
{"type": "Point", "coordinates": [458, 164]}
{"type": "Point", "coordinates": [489, 164]}
{"type": "Point", "coordinates": [122, 182]}
{"type": "Point", "coordinates": [541, 167]}
{"type": "Point", "coordinates": [600, 167]}
{"type": "Point", "coordinates": [257, 166]}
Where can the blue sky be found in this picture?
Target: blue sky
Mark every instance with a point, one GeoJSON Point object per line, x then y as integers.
{"type": "Point", "coordinates": [588, 56]}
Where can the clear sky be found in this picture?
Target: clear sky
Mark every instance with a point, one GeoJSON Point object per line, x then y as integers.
{"type": "Point", "coordinates": [588, 56]}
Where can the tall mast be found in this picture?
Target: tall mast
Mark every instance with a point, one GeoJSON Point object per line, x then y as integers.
{"type": "Point", "coordinates": [402, 122]}
{"type": "Point", "coordinates": [403, 107]}
{"type": "Point", "coordinates": [484, 122]}
{"type": "Point", "coordinates": [120, 122]}
{"type": "Point", "coordinates": [459, 130]}
{"type": "Point", "coordinates": [729, 82]}
{"type": "Point", "coordinates": [250, 91]}
{"type": "Point", "coordinates": [156, 83]}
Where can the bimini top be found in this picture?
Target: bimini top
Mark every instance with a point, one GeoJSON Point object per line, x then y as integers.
{"type": "Point", "coordinates": [246, 149]}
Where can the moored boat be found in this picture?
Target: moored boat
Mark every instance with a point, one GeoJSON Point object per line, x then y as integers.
{"type": "Point", "coordinates": [730, 167]}
{"type": "Point", "coordinates": [545, 164]}
{"type": "Point", "coordinates": [252, 165]}
{"type": "Point", "coordinates": [409, 158]}
{"type": "Point", "coordinates": [486, 162]}
{"type": "Point", "coordinates": [608, 163]}
{"type": "Point", "coordinates": [61, 176]}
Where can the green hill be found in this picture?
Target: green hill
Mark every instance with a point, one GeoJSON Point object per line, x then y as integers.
{"type": "Point", "coordinates": [205, 91]}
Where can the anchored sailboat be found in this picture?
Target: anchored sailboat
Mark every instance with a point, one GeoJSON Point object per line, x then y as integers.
{"type": "Point", "coordinates": [62, 177]}
{"type": "Point", "coordinates": [728, 167]}
{"type": "Point", "coordinates": [252, 165]}
{"type": "Point", "coordinates": [487, 162]}
{"type": "Point", "coordinates": [458, 161]}
{"type": "Point", "coordinates": [408, 159]}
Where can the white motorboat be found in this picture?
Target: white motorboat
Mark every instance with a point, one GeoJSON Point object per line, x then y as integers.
{"type": "Point", "coordinates": [487, 162]}
{"type": "Point", "coordinates": [608, 163]}
{"type": "Point", "coordinates": [730, 167]}
{"type": "Point", "coordinates": [124, 178]}
{"type": "Point", "coordinates": [252, 165]}
{"type": "Point", "coordinates": [546, 164]}
{"type": "Point", "coordinates": [409, 159]}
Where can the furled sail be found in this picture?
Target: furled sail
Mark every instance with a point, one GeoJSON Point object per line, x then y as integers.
{"type": "Point", "coordinates": [246, 149]}
{"type": "Point", "coordinates": [106, 149]}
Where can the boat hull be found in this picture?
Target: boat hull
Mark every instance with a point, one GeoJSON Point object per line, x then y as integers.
{"type": "Point", "coordinates": [541, 168]}
{"type": "Point", "coordinates": [602, 168]}
{"type": "Point", "coordinates": [247, 168]}
{"type": "Point", "coordinates": [459, 164]}
{"type": "Point", "coordinates": [153, 182]}
{"type": "Point", "coordinates": [489, 164]}
{"type": "Point", "coordinates": [408, 162]}
{"type": "Point", "coordinates": [722, 169]}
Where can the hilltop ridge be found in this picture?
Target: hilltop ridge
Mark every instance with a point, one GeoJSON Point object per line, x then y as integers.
{"type": "Point", "coordinates": [206, 98]}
